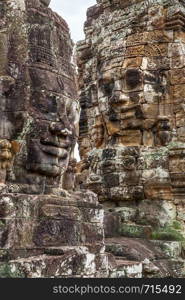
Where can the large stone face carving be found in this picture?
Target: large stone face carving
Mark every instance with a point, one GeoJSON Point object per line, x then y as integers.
{"type": "Point", "coordinates": [47, 229]}
{"type": "Point", "coordinates": [39, 111]}
{"type": "Point", "coordinates": [131, 68]}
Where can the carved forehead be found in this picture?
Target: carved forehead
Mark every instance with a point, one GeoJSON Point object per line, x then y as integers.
{"type": "Point", "coordinates": [110, 68]}
{"type": "Point", "coordinates": [117, 60]}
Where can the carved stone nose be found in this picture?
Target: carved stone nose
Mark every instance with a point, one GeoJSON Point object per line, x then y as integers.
{"type": "Point", "coordinates": [59, 129]}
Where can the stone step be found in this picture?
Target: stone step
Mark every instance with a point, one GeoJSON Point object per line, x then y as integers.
{"type": "Point", "coordinates": [120, 258]}
{"type": "Point", "coordinates": [68, 262]}
{"type": "Point", "coordinates": [95, 249]}
{"type": "Point", "coordinates": [56, 250]}
{"type": "Point", "coordinates": [133, 249]}
{"type": "Point", "coordinates": [159, 249]}
{"type": "Point", "coordinates": [155, 262]}
{"type": "Point", "coordinates": [126, 269]}
{"type": "Point", "coordinates": [171, 249]}
{"type": "Point", "coordinates": [174, 268]}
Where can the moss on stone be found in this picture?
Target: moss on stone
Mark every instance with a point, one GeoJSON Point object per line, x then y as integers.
{"type": "Point", "coordinates": [6, 272]}
{"type": "Point", "coordinates": [135, 231]}
{"type": "Point", "coordinates": [3, 254]}
{"type": "Point", "coordinates": [157, 154]}
{"type": "Point", "coordinates": [1, 225]}
{"type": "Point", "coordinates": [177, 225]}
{"type": "Point", "coordinates": [143, 222]}
{"type": "Point", "coordinates": [168, 233]}
{"type": "Point", "coordinates": [176, 145]}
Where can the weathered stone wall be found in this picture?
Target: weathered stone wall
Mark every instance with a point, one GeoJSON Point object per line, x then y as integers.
{"type": "Point", "coordinates": [132, 125]}
{"type": "Point", "coordinates": [46, 228]}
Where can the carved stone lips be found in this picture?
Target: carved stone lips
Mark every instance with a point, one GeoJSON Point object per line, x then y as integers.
{"type": "Point", "coordinates": [56, 146]}
{"type": "Point", "coordinates": [55, 141]}
{"type": "Point", "coordinates": [55, 151]}
{"type": "Point", "coordinates": [129, 107]}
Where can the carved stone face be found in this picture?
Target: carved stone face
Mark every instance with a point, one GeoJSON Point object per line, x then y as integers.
{"type": "Point", "coordinates": [38, 111]}
{"type": "Point", "coordinates": [131, 99]}
{"type": "Point", "coordinates": [121, 106]}
{"type": "Point", "coordinates": [133, 104]}
{"type": "Point", "coordinates": [130, 79]}
{"type": "Point", "coordinates": [52, 135]}
{"type": "Point", "coordinates": [52, 131]}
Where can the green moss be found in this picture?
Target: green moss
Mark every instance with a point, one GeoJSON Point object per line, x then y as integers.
{"type": "Point", "coordinates": [6, 272]}
{"type": "Point", "coordinates": [157, 154]}
{"type": "Point", "coordinates": [142, 222]}
{"type": "Point", "coordinates": [1, 224]}
{"type": "Point", "coordinates": [3, 254]}
{"type": "Point", "coordinates": [177, 225]}
{"type": "Point", "coordinates": [167, 233]}
{"type": "Point", "coordinates": [175, 145]}
{"type": "Point", "coordinates": [135, 231]}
